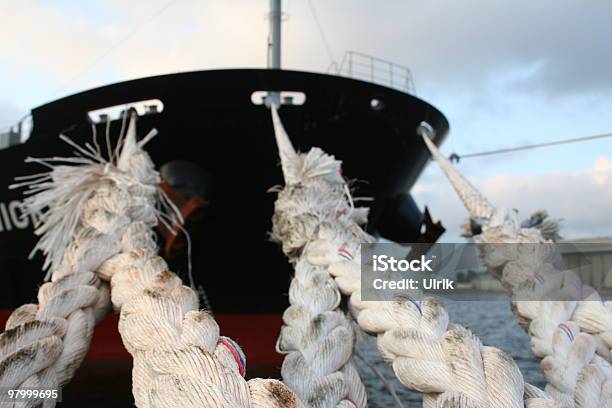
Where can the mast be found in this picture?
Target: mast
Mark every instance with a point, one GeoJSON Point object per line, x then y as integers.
{"type": "Point", "coordinates": [274, 37]}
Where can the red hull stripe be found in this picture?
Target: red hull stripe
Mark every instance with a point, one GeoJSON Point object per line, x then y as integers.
{"type": "Point", "coordinates": [255, 333]}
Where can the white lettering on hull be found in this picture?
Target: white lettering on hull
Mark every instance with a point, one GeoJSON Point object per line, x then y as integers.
{"type": "Point", "coordinates": [13, 217]}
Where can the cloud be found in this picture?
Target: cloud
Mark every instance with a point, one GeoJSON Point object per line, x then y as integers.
{"type": "Point", "coordinates": [472, 43]}
{"type": "Point", "coordinates": [468, 44]}
{"type": "Point", "coordinates": [197, 35]}
{"type": "Point", "coordinates": [36, 34]}
{"type": "Point", "coordinates": [73, 47]}
{"type": "Point", "coordinates": [582, 198]}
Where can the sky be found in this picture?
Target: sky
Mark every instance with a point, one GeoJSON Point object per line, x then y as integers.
{"type": "Point", "coordinates": [504, 73]}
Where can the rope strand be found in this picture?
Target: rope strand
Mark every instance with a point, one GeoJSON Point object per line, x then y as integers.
{"type": "Point", "coordinates": [572, 335]}
{"type": "Point", "coordinates": [444, 361]}
{"type": "Point", "coordinates": [106, 212]}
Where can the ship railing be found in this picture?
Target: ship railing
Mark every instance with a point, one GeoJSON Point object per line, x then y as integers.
{"type": "Point", "coordinates": [362, 66]}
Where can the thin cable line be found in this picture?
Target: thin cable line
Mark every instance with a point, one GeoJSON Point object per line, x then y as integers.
{"type": "Point", "coordinates": [328, 48]}
{"type": "Point", "coordinates": [112, 48]}
{"type": "Point", "coordinates": [457, 157]}
{"type": "Point", "coordinates": [381, 377]}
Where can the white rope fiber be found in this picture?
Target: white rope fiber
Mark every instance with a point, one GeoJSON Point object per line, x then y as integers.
{"type": "Point", "coordinates": [180, 359]}
{"type": "Point", "coordinates": [317, 337]}
{"type": "Point", "coordinates": [569, 326]}
{"type": "Point", "coordinates": [45, 343]}
{"type": "Point", "coordinates": [318, 227]}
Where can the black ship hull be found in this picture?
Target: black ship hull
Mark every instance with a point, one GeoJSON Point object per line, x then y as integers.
{"type": "Point", "coordinates": [209, 120]}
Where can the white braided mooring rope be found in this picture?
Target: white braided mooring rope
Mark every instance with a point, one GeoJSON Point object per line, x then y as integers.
{"type": "Point", "coordinates": [568, 324]}
{"type": "Point", "coordinates": [315, 223]}
{"type": "Point", "coordinates": [180, 359]}
{"type": "Point", "coordinates": [317, 337]}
